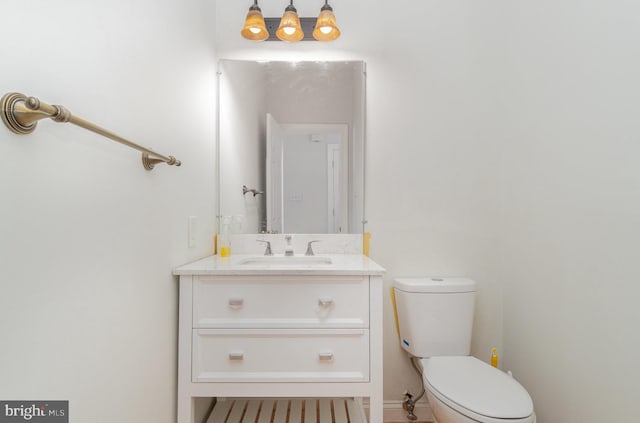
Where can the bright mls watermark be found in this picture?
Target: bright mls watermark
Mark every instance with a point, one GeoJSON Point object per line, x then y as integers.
{"type": "Point", "coordinates": [34, 411]}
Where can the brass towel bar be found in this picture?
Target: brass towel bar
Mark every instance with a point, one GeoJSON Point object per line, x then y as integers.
{"type": "Point", "coordinates": [21, 114]}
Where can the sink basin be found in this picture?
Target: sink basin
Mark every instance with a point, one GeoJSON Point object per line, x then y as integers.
{"type": "Point", "coordinates": [285, 261]}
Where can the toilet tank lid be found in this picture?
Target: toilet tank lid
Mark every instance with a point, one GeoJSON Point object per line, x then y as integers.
{"type": "Point", "coordinates": [435, 285]}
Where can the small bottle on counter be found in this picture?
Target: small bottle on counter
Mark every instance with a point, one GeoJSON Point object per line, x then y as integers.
{"type": "Point", "coordinates": [224, 245]}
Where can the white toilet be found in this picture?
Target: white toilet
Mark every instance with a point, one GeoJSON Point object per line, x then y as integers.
{"type": "Point", "coordinates": [435, 319]}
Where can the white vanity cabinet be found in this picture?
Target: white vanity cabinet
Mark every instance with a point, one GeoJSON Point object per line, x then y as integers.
{"type": "Point", "coordinates": [280, 332]}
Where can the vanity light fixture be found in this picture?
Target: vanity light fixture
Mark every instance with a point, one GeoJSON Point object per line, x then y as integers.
{"type": "Point", "coordinates": [254, 26]}
{"type": "Point", "coordinates": [290, 29]}
{"type": "Point", "coordinates": [326, 28]}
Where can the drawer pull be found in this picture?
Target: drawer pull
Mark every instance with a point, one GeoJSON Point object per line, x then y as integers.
{"type": "Point", "coordinates": [236, 302]}
{"type": "Point", "coordinates": [236, 356]}
{"type": "Point", "coordinates": [325, 356]}
{"type": "Point", "coordinates": [326, 302]}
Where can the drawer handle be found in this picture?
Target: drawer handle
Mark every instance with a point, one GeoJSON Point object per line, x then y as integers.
{"type": "Point", "coordinates": [326, 302]}
{"type": "Point", "coordinates": [236, 356]}
{"type": "Point", "coordinates": [236, 303]}
{"type": "Point", "coordinates": [325, 356]}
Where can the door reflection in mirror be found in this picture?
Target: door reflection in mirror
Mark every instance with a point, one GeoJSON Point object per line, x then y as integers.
{"type": "Point", "coordinates": [307, 177]}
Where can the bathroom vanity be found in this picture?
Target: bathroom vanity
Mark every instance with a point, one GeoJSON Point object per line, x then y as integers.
{"type": "Point", "coordinates": [256, 326]}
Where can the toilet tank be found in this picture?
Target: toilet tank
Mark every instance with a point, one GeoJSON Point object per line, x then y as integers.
{"type": "Point", "coordinates": [435, 315]}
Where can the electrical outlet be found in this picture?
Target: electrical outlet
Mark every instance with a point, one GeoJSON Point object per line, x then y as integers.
{"type": "Point", "coordinates": [191, 231]}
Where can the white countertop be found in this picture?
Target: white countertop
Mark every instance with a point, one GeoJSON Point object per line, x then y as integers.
{"type": "Point", "coordinates": [240, 264]}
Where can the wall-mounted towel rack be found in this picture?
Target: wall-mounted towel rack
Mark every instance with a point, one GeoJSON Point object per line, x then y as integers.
{"type": "Point", "coordinates": [21, 114]}
{"type": "Point", "coordinates": [252, 190]}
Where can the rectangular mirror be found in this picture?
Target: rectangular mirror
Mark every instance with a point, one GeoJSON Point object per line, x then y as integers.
{"type": "Point", "coordinates": [291, 146]}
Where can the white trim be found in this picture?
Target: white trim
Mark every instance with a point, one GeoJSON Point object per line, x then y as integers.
{"type": "Point", "coordinates": [393, 411]}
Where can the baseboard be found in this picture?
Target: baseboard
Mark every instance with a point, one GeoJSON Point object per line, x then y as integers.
{"type": "Point", "coordinates": [394, 412]}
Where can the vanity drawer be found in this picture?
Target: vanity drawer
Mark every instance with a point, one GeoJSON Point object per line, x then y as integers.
{"type": "Point", "coordinates": [280, 355]}
{"type": "Point", "coordinates": [281, 302]}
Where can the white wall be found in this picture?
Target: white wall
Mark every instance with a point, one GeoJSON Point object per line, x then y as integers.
{"type": "Point", "coordinates": [88, 238]}
{"type": "Point", "coordinates": [571, 184]}
{"type": "Point", "coordinates": [433, 145]}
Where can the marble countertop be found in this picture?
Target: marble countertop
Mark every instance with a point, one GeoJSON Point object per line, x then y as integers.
{"type": "Point", "coordinates": [251, 264]}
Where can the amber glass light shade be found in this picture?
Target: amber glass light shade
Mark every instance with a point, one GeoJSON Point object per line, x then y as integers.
{"type": "Point", "coordinates": [326, 28]}
{"type": "Point", "coordinates": [290, 29]}
{"type": "Point", "coordinates": [254, 27]}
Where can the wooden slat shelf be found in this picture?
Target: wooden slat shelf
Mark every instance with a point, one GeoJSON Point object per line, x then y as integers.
{"type": "Point", "coordinates": [287, 410]}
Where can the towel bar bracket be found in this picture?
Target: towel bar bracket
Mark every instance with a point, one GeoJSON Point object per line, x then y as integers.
{"type": "Point", "coordinates": [149, 163]}
{"type": "Point", "coordinates": [16, 116]}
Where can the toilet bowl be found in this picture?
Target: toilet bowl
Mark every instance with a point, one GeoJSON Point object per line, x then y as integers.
{"type": "Point", "coordinates": [435, 318]}
{"type": "Point", "coordinates": [463, 389]}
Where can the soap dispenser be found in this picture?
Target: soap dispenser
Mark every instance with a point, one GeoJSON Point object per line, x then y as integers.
{"type": "Point", "coordinates": [223, 241]}
{"type": "Point", "coordinates": [288, 249]}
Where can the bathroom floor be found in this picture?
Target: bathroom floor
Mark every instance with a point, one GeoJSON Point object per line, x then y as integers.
{"type": "Point", "coordinates": [423, 421]}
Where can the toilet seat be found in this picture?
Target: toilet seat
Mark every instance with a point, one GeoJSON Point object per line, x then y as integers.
{"type": "Point", "coordinates": [477, 390]}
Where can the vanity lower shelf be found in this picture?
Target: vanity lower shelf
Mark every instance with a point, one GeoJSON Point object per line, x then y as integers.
{"type": "Point", "coordinates": [287, 410]}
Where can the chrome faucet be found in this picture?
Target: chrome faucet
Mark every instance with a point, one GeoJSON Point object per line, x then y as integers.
{"type": "Point", "coordinates": [309, 249]}
{"type": "Point", "coordinates": [267, 251]}
{"type": "Point", "coordinates": [288, 250]}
